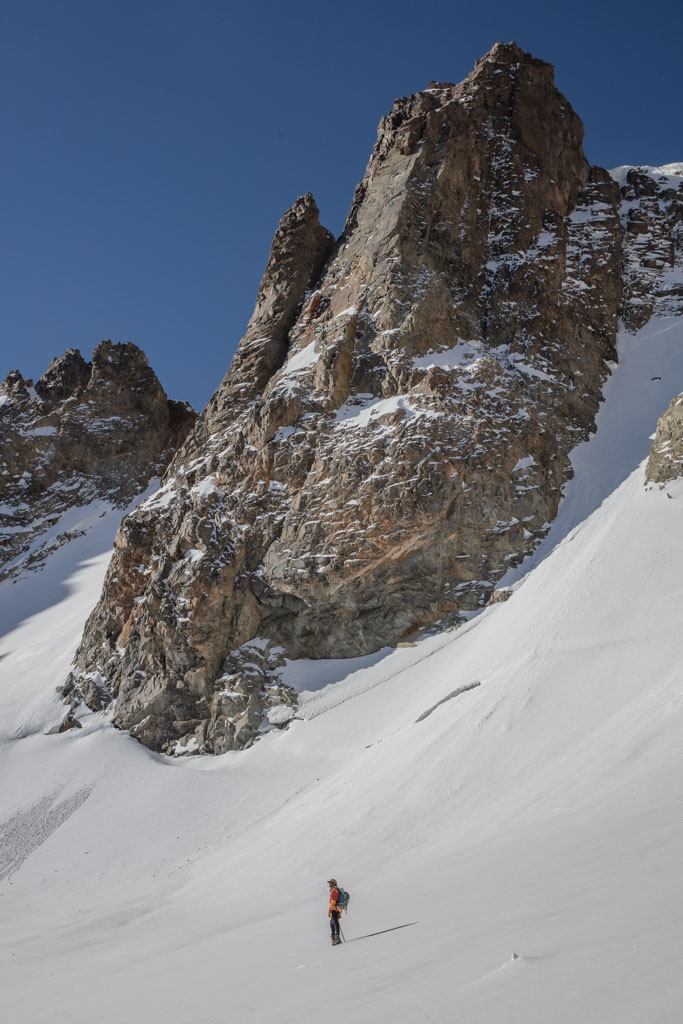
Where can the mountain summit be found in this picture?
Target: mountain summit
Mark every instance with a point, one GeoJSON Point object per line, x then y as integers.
{"type": "Point", "coordinates": [87, 432]}
{"type": "Point", "coordinates": [394, 432]}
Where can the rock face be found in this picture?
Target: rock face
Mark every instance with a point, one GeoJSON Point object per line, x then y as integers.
{"type": "Point", "coordinates": [666, 455]}
{"type": "Point", "coordinates": [394, 431]}
{"type": "Point", "coordinates": [652, 218]}
{"type": "Point", "coordinates": [86, 431]}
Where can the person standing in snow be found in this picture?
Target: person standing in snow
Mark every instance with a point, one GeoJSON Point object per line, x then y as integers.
{"type": "Point", "coordinates": [334, 912]}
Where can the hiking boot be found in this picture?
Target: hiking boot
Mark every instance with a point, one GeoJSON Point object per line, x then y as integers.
{"type": "Point", "coordinates": [336, 942]}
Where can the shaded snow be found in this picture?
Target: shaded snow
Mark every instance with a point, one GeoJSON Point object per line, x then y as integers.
{"type": "Point", "coordinates": [649, 374]}
{"type": "Point", "coordinates": [163, 496]}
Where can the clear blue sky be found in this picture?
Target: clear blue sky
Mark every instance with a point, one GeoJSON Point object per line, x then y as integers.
{"type": "Point", "coordinates": [150, 148]}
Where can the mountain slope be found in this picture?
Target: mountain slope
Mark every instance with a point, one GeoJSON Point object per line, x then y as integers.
{"type": "Point", "coordinates": [394, 433]}
{"type": "Point", "coordinates": [536, 813]}
{"type": "Point", "coordinates": [87, 432]}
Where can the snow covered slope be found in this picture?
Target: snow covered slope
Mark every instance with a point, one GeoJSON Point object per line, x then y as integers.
{"type": "Point", "coordinates": [513, 787]}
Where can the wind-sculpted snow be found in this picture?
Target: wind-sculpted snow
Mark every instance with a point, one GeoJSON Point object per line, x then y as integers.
{"type": "Point", "coordinates": [395, 431]}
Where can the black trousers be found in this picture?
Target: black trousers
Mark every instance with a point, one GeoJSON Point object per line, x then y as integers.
{"type": "Point", "coordinates": [334, 924]}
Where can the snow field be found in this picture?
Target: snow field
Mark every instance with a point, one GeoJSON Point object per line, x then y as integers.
{"type": "Point", "coordinates": [537, 813]}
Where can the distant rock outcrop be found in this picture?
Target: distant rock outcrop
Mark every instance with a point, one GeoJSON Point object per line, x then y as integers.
{"type": "Point", "coordinates": [652, 218]}
{"type": "Point", "coordinates": [395, 429]}
{"type": "Point", "coordinates": [86, 431]}
{"type": "Point", "coordinates": [666, 455]}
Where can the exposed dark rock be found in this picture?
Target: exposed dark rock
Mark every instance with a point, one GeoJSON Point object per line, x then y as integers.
{"type": "Point", "coordinates": [666, 455]}
{"type": "Point", "coordinates": [86, 431]}
{"type": "Point", "coordinates": [387, 444]}
{"type": "Point", "coordinates": [653, 228]}
{"type": "Point", "coordinates": [66, 375]}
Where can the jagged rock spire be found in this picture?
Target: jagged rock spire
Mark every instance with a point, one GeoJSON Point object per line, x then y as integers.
{"type": "Point", "coordinates": [394, 431]}
{"type": "Point", "coordinates": [87, 431]}
{"type": "Point", "coordinates": [299, 250]}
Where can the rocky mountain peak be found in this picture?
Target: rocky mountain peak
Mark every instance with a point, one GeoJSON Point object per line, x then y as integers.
{"type": "Point", "coordinates": [509, 55]}
{"type": "Point", "coordinates": [88, 431]}
{"type": "Point", "coordinates": [64, 376]}
{"type": "Point", "coordinates": [394, 431]}
{"type": "Point", "coordinates": [300, 248]}
{"type": "Point", "coordinates": [299, 251]}
{"type": "Point", "coordinates": [14, 387]}
{"type": "Point", "coordinates": [119, 359]}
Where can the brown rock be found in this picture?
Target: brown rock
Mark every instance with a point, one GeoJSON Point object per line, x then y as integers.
{"type": "Point", "coordinates": [653, 221]}
{"type": "Point", "coordinates": [86, 431]}
{"type": "Point", "coordinates": [666, 455]}
{"type": "Point", "coordinates": [386, 445]}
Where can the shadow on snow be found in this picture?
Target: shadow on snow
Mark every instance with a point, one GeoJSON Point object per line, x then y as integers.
{"type": "Point", "coordinates": [371, 935]}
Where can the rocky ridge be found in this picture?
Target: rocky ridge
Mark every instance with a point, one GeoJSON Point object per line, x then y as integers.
{"type": "Point", "coordinates": [652, 219]}
{"type": "Point", "coordinates": [666, 455]}
{"type": "Point", "coordinates": [86, 431]}
{"type": "Point", "coordinates": [395, 429]}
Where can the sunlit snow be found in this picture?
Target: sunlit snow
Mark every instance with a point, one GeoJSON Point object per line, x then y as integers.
{"type": "Point", "coordinates": [502, 801]}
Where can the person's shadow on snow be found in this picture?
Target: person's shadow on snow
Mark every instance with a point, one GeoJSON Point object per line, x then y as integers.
{"type": "Point", "coordinates": [371, 935]}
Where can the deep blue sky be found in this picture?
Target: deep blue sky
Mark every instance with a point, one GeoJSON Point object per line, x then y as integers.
{"type": "Point", "coordinates": [150, 148]}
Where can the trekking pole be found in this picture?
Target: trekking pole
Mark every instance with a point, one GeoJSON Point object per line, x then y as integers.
{"type": "Point", "coordinates": [341, 932]}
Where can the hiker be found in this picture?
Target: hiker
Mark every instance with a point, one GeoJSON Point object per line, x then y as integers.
{"type": "Point", "coordinates": [334, 912]}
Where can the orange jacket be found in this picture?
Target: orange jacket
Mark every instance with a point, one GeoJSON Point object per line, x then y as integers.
{"type": "Point", "coordinates": [334, 896]}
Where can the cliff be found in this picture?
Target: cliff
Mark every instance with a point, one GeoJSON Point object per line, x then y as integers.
{"type": "Point", "coordinates": [395, 429]}
{"type": "Point", "coordinates": [87, 431]}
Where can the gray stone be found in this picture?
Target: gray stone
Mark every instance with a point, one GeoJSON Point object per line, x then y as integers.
{"type": "Point", "coordinates": [394, 431]}
{"type": "Point", "coordinates": [666, 454]}
{"type": "Point", "coordinates": [86, 431]}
